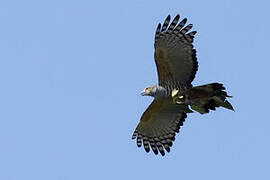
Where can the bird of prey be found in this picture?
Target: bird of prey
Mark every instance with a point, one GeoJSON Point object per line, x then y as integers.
{"type": "Point", "coordinates": [174, 96]}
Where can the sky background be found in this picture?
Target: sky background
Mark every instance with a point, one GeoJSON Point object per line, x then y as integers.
{"type": "Point", "coordinates": [71, 73]}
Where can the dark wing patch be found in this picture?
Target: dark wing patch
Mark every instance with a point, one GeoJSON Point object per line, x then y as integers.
{"type": "Point", "coordinates": [158, 126]}
{"type": "Point", "coordinates": [174, 54]}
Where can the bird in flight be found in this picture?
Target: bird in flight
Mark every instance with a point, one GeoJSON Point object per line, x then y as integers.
{"type": "Point", "coordinates": [174, 96]}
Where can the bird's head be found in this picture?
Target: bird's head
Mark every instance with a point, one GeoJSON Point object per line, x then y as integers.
{"type": "Point", "coordinates": [149, 91]}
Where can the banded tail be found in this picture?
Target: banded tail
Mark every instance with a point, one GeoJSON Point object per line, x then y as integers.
{"type": "Point", "coordinates": [203, 98]}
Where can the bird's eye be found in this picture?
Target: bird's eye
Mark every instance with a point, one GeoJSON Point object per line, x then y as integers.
{"type": "Point", "coordinates": [148, 89]}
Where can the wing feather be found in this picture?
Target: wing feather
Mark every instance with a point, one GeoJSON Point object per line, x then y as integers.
{"type": "Point", "coordinates": [159, 125]}
{"type": "Point", "coordinates": [186, 29]}
{"type": "Point", "coordinates": [174, 54]}
{"type": "Point", "coordinates": [181, 25]}
{"type": "Point", "coordinates": [173, 24]}
{"type": "Point", "coordinates": [166, 23]}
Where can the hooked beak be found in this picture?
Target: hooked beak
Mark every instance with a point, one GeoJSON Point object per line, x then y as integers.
{"type": "Point", "coordinates": [143, 93]}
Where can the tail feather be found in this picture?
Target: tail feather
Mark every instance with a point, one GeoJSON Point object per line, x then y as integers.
{"type": "Point", "coordinates": [217, 97]}
{"type": "Point", "coordinates": [204, 98]}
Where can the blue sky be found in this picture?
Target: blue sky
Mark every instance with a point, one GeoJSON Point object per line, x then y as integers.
{"type": "Point", "coordinates": [71, 73]}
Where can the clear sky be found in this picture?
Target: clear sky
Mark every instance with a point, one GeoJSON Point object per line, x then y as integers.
{"type": "Point", "coordinates": [71, 73]}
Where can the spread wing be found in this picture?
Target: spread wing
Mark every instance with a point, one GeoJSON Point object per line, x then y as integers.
{"type": "Point", "coordinates": [159, 125]}
{"type": "Point", "coordinates": [174, 54]}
